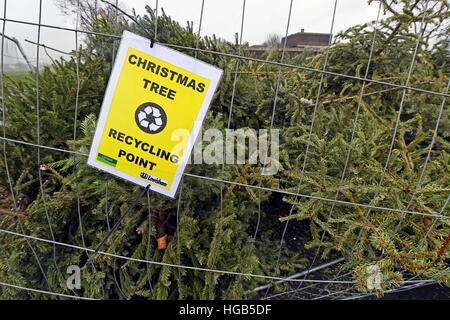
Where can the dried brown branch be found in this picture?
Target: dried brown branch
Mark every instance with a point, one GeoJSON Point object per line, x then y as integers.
{"type": "Point", "coordinates": [9, 213]}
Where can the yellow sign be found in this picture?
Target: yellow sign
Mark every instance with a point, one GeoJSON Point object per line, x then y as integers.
{"type": "Point", "coordinates": [154, 106]}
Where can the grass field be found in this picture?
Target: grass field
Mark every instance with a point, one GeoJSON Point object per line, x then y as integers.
{"type": "Point", "coordinates": [16, 75]}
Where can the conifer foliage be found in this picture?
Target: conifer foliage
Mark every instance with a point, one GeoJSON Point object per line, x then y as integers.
{"type": "Point", "coordinates": [232, 227]}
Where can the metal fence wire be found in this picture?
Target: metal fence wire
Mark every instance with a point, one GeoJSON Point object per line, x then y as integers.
{"type": "Point", "coordinates": [320, 279]}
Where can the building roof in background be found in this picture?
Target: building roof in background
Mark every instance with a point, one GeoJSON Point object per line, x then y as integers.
{"type": "Point", "coordinates": [307, 39]}
{"type": "Point", "coordinates": [297, 42]}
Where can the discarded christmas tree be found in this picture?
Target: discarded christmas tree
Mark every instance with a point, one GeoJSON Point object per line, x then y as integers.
{"type": "Point", "coordinates": [238, 228]}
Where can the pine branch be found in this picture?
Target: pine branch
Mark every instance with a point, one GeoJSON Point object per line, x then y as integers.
{"type": "Point", "coordinates": [394, 31]}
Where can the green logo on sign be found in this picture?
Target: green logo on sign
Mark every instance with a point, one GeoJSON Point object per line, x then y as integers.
{"type": "Point", "coordinates": [106, 160]}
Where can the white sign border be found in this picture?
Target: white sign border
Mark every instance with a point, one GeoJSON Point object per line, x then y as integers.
{"type": "Point", "coordinates": [174, 57]}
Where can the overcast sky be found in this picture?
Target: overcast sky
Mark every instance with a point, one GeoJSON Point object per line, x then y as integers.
{"type": "Point", "coordinates": [223, 18]}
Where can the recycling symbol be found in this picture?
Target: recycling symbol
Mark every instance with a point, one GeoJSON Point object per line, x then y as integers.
{"type": "Point", "coordinates": [150, 118]}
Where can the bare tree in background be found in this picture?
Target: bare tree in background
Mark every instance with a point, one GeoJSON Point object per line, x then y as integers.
{"type": "Point", "coordinates": [89, 10]}
{"type": "Point", "coordinates": [273, 40]}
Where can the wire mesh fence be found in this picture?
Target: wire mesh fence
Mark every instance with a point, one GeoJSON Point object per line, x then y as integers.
{"type": "Point", "coordinates": [330, 270]}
